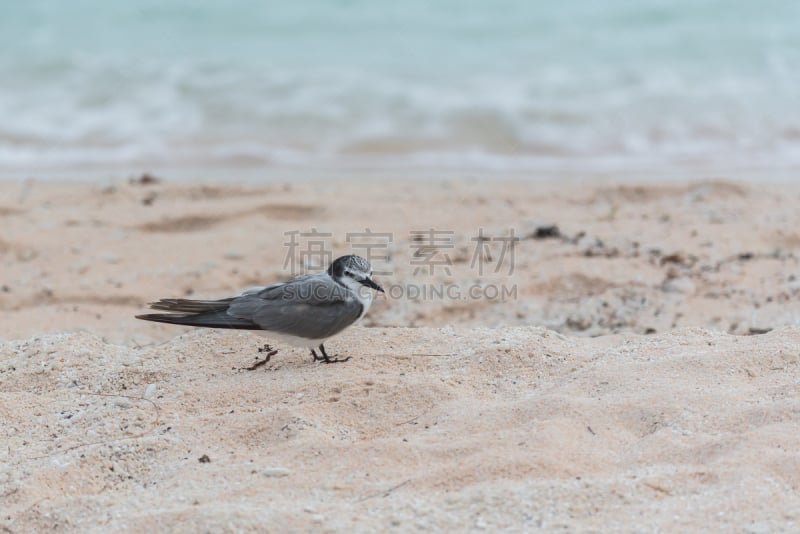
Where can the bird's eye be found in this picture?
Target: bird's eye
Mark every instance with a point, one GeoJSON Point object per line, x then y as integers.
{"type": "Point", "coordinates": [348, 273]}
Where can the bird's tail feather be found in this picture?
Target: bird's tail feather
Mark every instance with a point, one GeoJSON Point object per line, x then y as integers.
{"type": "Point", "coordinates": [214, 319]}
{"type": "Point", "coordinates": [191, 306]}
{"type": "Point", "coordinates": [207, 313]}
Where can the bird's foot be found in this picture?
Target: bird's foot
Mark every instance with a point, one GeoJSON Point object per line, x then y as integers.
{"type": "Point", "coordinates": [325, 358]}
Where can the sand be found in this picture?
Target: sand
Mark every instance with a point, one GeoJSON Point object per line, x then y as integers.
{"type": "Point", "coordinates": [643, 375]}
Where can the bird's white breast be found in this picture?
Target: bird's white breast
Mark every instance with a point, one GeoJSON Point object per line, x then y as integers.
{"type": "Point", "coordinates": [360, 293]}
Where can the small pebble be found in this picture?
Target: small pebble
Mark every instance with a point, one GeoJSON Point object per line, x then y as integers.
{"type": "Point", "coordinates": [678, 285]}
{"type": "Point", "coordinates": [546, 232]}
{"type": "Point", "coordinates": [149, 390]}
{"type": "Point", "coordinates": [109, 257]}
{"type": "Point", "coordinates": [275, 472]}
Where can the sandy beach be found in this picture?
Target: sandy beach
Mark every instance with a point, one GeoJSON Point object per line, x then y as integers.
{"type": "Point", "coordinates": [629, 364]}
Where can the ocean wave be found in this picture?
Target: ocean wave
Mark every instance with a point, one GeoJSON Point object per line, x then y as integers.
{"type": "Point", "coordinates": [525, 86]}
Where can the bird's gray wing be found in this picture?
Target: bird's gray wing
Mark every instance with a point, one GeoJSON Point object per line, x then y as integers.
{"type": "Point", "coordinates": [309, 306]}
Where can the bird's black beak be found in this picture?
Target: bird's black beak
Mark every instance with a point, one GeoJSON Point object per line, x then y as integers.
{"type": "Point", "coordinates": [369, 283]}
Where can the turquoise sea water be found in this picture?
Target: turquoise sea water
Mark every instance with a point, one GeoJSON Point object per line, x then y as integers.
{"type": "Point", "coordinates": [508, 84]}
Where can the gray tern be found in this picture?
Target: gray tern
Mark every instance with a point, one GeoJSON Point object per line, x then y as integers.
{"type": "Point", "coordinates": [304, 311]}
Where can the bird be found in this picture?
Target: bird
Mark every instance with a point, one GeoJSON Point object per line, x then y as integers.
{"type": "Point", "coordinates": [304, 311]}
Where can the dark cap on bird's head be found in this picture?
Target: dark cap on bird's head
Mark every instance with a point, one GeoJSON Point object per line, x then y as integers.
{"type": "Point", "coordinates": [356, 268]}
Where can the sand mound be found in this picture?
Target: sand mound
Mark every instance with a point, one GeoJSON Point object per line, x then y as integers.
{"type": "Point", "coordinates": [446, 428]}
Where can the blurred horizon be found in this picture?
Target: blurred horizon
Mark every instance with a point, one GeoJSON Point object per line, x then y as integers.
{"type": "Point", "coordinates": [507, 86]}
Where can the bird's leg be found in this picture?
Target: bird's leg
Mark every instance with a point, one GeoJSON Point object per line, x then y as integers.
{"type": "Point", "coordinates": [270, 353]}
{"type": "Point", "coordinates": [316, 358]}
{"type": "Point", "coordinates": [327, 359]}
